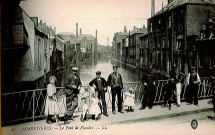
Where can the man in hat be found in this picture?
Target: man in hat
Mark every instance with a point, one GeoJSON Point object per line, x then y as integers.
{"type": "Point", "coordinates": [149, 92]}
{"type": "Point", "coordinates": [116, 84]}
{"type": "Point", "coordinates": [72, 85]}
{"type": "Point", "coordinates": [100, 85]}
{"type": "Point", "coordinates": [193, 81]}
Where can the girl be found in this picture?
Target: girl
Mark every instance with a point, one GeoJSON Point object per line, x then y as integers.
{"type": "Point", "coordinates": [51, 107]}
{"type": "Point", "coordinates": [129, 99]}
{"type": "Point", "coordinates": [94, 108]}
{"type": "Point", "coordinates": [85, 110]}
{"type": "Point", "coordinates": [178, 91]}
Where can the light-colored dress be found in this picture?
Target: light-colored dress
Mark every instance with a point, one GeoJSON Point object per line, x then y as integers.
{"type": "Point", "coordinates": [178, 92]}
{"type": "Point", "coordinates": [94, 108]}
{"type": "Point", "coordinates": [129, 99]}
{"type": "Point", "coordinates": [51, 107]}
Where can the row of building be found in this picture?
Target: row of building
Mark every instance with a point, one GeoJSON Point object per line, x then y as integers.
{"type": "Point", "coordinates": [179, 37]}
{"type": "Point", "coordinates": [31, 51]}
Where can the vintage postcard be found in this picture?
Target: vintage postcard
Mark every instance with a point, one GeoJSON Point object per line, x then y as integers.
{"type": "Point", "coordinates": [107, 67]}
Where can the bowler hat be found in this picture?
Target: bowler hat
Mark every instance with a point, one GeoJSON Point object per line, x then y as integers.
{"type": "Point", "coordinates": [115, 67]}
{"type": "Point", "coordinates": [98, 72]}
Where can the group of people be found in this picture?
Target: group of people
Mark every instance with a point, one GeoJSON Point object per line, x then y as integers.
{"type": "Point", "coordinates": [72, 89]}
{"type": "Point", "coordinates": [171, 91]}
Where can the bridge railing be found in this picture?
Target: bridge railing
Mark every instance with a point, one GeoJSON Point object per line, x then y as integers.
{"type": "Point", "coordinates": [30, 104]}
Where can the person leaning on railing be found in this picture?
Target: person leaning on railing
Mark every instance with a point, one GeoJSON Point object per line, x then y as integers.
{"type": "Point", "coordinates": [100, 85]}
{"type": "Point", "coordinates": [149, 92]}
{"type": "Point", "coordinates": [72, 85]}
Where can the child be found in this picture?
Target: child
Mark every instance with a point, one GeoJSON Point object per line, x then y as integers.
{"type": "Point", "coordinates": [178, 91]}
{"type": "Point", "coordinates": [85, 110]}
{"type": "Point", "coordinates": [94, 108]}
{"type": "Point", "coordinates": [129, 99]}
{"type": "Point", "coordinates": [51, 107]}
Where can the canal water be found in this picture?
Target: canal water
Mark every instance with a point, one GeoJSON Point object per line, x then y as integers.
{"type": "Point", "coordinates": [88, 68]}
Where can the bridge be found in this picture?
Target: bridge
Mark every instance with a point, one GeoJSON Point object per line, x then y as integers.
{"type": "Point", "coordinates": [29, 105]}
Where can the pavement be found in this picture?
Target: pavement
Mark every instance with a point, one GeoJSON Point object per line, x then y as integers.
{"type": "Point", "coordinates": [114, 123]}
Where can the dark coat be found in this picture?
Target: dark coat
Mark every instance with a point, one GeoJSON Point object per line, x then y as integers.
{"type": "Point", "coordinates": [148, 79]}
{"type": "Point", "coordinates": [72, 84]}
{"type": "Point", "coordinates": [95, 82]}
{"type": "Point", "coordinates": [113, 82]}
{"type": "Point", "coordinates": [168, 89]}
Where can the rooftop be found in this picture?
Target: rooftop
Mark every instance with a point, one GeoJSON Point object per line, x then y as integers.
{"type": "Point", "coordinates": [66, 33]}
{"type": "Point", "coordinates": [176, 3]}
{"type": "Point", "coordinates": [86, 35]}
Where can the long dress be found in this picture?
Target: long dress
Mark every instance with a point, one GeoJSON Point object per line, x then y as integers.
{"type": "Point", "coordinates": [129, 99]}
{"type": "Point", "coordinates": [94, 108]}
{"type": "Point", "coordinates": [178, 92]}
{"type": "Point", "coordinates": [51, 107]}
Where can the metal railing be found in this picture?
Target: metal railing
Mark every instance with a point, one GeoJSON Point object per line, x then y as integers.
{"type": "Point", "coordinates": [30, 104]}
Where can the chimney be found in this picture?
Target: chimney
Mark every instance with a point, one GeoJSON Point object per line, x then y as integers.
{"type": "Point", "coordinates": [77, 30]}
{"type": "Point", "coordinates": [134, 27]}
{"type": "Point", "coordinates": [153, 7]}
{"type": "Point", "coordinates": [169, 1]}
{"type": "Point", "coordinates": [80, 31]}
{"type": "Point", "coordinates": [125, 29]}
{"type": "Point", "coordinates": [108, 41]}
{"type": "Point", "coordinates": [54, 29]}
{"type": "Point", "coordinates": [96, 33]}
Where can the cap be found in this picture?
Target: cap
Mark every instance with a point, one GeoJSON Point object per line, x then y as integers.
{"type": "Point", "coordinates": [98, 72]}
{"type": "Point", "coordinates": [115, 67]}
{"type": "Point", "coordinates": [74, 69]}
{"type": "Point", "coordinates": [168, 76]}
{"type": "Point", "coordinates": [148, 71]}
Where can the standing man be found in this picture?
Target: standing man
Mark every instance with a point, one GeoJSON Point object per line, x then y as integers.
{"type": "Point", "coordinates": [149, 93]}
{"type": "Point", "coordinates": [100, 85]}
{"type": "Point", "coordinates": [193, 81]}
{"type": "Point", "coordinates": [73, 85]}
{"type": "Point", "coordinates": [115, 82]}
{"type": "Point", "coordinates": [168, 91]}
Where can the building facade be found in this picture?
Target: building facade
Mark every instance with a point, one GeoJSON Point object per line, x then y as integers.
{"type": "Point", "coordinates": [25, 50]}
{"type": "Point", "coordinates": [173, 33]}
{"type": "Point", "coordinates": [134, 46]}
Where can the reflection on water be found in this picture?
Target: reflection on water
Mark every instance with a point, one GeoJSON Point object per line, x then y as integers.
{"type": "Point", "coordinates": [87, 71]}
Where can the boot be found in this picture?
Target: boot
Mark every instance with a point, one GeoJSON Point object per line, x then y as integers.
{"type": "Point", "coordinates": [131, 109]}
{"type": "Point", "coordinates": [169, 106]}
{"type": "Point", "coordinates": [128, 109]}
{"type": "Point", "coordinates": [82, 118]}
{"type": "Point", "coordinates": [49, 120]}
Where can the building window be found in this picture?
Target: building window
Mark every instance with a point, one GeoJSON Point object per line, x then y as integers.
{"type": "Point", "coordinates": [150, 29]}
{"type": "Point", "coordinates": [193, 62]}
{"type": "Point", "coordinates": [170, 22]}
{"type": "Point", "coordinates": [39, 54]}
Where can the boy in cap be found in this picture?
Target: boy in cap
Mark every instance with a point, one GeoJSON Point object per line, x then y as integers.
{"type": "Point", "coordinates": [116, 84]}
{"type": "Point", "coordinates": [100, 85]}
{"type": "Point", "coordinates": [72, 85]}
{"type": "Point", "coordinates": [168, 91]}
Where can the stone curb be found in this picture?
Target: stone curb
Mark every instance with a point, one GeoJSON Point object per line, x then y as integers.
{"type": "Point", "coordinates": [159, 117]}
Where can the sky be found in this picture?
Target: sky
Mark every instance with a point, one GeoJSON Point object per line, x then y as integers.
{"type": "Point", "coordinates": [105, 16]}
